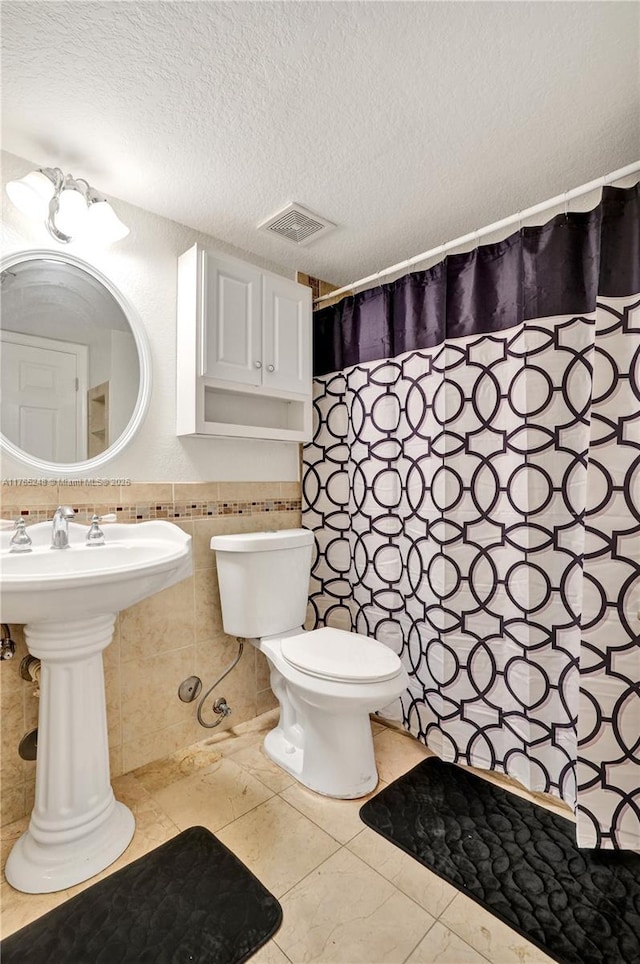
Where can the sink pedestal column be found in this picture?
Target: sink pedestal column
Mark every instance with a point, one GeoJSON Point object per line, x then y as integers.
{"type": "Point", "coordinates": [77, 827]}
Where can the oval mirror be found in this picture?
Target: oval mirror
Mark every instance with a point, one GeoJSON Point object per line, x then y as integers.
{"type": "Point", "coordinates": [75, 363]}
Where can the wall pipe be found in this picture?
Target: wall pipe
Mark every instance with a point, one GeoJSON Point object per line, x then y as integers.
{"type": "Point", "coordinates": [474, 236]}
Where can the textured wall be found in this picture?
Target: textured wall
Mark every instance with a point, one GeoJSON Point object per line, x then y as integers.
{"type": "Point", "coordinates": [160, 641]}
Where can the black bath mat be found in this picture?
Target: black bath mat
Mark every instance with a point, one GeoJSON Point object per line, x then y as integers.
{"type": "Point", "coordinates": [517, 860]}
{"type": "Point", "coordinates": [190, 901]}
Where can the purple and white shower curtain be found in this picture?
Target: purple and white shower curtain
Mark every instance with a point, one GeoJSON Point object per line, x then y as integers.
{"type": "Point", "coordinates": [474, 488]}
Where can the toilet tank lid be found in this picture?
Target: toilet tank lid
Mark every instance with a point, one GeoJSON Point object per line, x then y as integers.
{"type": "Point", "coordinates": [262, 541]}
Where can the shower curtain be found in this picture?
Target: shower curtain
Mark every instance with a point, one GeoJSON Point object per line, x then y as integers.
{"type": "Point", "coordinates": [473, 484]}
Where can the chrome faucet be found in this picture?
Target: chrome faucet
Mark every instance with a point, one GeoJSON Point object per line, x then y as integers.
{"type": "Point", "coordinates": [60, 531]}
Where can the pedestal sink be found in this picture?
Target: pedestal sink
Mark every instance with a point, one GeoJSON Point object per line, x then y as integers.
{"type": "Point", "coordinates": [68, 599]}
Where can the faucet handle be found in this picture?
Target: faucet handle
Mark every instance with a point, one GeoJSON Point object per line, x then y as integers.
{"type": "Point", "coordinates": [95, 535]}
{"type": "Point", "coordinates": [20, 541]}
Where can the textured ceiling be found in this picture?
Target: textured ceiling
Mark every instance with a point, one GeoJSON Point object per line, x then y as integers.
{"type": "Point", "coordinates": [407, 124]}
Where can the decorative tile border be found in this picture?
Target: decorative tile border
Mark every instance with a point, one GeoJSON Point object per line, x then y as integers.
{"type": "Point", "coordinates": [156, 510]}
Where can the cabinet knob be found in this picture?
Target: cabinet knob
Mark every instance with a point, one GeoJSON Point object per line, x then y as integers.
{"type": "Point", "coordinates": [271, 368]}
{"type": "Point", "coordinates": [258, 364]}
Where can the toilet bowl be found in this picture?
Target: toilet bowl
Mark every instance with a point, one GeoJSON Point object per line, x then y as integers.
{"type": "Point", "coordinates": [327, 681]}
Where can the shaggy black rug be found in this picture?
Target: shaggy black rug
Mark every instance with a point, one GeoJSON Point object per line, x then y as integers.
{"type": "Point", "coordinates": [517, 860]}
{"type": "Point", "coordinates": [190, 900]}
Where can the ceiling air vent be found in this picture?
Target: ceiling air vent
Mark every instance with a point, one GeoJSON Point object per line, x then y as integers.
{"type": "Point", "coordinates": [296, 224]}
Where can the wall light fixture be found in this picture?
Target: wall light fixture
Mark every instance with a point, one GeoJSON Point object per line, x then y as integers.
{"type": "Point", "coordinates": [69, 207]}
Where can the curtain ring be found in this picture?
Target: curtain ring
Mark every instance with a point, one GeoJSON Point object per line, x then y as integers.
{"type": "Point", "coordinates": [566, 206]}
{"type": "Point", "coordinates": [519, 222]}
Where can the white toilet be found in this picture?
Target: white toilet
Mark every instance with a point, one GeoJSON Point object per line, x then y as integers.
{"type": "Point", "coordinates": [327, 681]}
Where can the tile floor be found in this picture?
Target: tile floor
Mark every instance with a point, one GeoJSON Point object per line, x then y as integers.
{"type": "Point", "coordinates": [347, 894]}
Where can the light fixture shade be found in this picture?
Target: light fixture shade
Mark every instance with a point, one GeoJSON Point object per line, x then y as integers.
{"type": "Point", "coordinates": [31, 194]}
{"type": "Point", "coordinates": [104, 224]}
{"type": "Point", "coordinates": [71, 216]}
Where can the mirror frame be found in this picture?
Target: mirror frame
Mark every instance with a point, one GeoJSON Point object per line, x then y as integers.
{"type": "Point", "coordinates": [144, 358]}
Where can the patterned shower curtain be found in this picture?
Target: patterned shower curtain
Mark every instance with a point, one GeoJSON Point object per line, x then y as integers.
{"type": "Point", "coordinates": [474, 488]}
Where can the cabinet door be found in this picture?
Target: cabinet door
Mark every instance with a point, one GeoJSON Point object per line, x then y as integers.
{"type": "Point", "coordinates": [286, 335]}
{"type": "Point", "coordinates": [232, 335]}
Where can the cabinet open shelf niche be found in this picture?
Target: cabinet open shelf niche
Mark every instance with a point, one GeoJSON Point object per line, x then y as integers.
{"type": "Point", "coordinates": [243, 350]}
{"type": "Point", "coordinates": [246, 415]}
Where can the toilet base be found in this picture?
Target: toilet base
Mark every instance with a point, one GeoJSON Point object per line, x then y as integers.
{"type": "Point", "coordinates": [341, 764]}
{"type": "Point", "coordinates": [323, 738]}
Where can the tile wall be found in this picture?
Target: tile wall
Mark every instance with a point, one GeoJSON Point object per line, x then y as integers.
{"type": "Point", "coordinates": [160, 641]}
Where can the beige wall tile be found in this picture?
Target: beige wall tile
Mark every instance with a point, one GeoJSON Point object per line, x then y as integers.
{"type": "Point", "coordinates": [31, 709]}
{"type": "Point", "coordinates": [290, 490]}
{"type": "Point", "coordinates": [208, 614]}
{"type": "Point", "coordinates": [272, 521]}
{"type": "Point", "coordinates": [26, 495]}
{"type": "Point", "coordinates": [265, 700]}
{"type": "Point", "coordinates": [11, 683]}
{"type": "Point", "coordinates": [115, 760]}
{"type": "Point", "coordinates": [150, 693]}
{"type": "Point", "coordinates": [248, 491]}
{"type": "Point", "coordinates": [79, 495]}
{"type": "Point", "coordinates": [196, 491]}
{"type": "Point", "coordinates": [158, 624]}
{"type": "Point", "coordinates": [11, 769]}
{"type": "Point", "coordinates": [159, 743]}
{"type": "Point", "coordinates": [13, 803]}
{"type": "Point", "coordinates": [203, 530]}
{"type": "Point", "coordinates": [139, 492]}
{"type": "Point", "coordinates": [263, 672]}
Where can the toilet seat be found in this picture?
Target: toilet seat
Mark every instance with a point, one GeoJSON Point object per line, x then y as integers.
{"type": "Point", "coordinates": [334, 654]}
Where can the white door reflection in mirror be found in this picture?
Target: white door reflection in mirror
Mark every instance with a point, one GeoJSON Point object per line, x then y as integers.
{"type": "Point", "coordinates": [43, 395]}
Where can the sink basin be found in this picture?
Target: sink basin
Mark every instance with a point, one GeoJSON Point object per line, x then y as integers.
{"type": "Point", "coordinates": [50, 584]}
{"type": "Point", "coordinates": [68, 600]}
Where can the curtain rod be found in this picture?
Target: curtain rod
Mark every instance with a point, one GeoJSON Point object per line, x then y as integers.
{"type": "Point", "coordinates": [489, 229]}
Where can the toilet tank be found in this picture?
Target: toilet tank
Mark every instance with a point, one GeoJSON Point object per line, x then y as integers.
{"type": "Point", "coordinates": [264, 580]}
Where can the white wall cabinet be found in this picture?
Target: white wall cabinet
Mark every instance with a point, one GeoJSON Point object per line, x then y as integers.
{"type": "Point", "coordinates": [244, 350]}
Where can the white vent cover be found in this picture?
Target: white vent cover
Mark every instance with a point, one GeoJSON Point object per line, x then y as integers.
{"type": "Point", "coordinates": [296, 224]}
